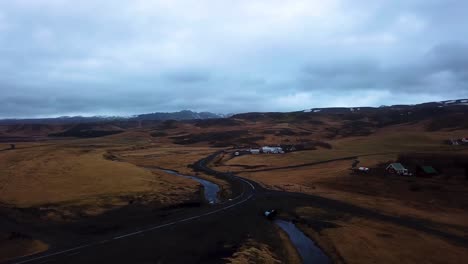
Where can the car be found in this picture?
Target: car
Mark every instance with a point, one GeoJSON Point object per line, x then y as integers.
{"type": "Point", "coordinates": [270, 214]}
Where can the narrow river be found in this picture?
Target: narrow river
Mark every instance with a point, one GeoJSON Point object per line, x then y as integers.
{"type": "Point", "coordinates": [307, 248]}
{"type": "Point", "coordinates": [210, 189]}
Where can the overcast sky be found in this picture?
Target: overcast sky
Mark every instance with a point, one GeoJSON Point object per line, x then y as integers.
{"type": "Point", "coordinates": [112, 57]}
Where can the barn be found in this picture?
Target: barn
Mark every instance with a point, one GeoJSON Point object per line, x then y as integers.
{"type": "Point", "coordinates": [426, 171]}
{"type": "Point", "coordinates": [397, 168]}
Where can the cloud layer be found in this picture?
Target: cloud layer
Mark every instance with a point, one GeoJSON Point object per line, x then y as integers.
{"type": "Point", "coordinates": [124, 57]}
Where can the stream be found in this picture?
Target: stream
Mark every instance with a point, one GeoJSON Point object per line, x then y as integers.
{"type": "Point", "coordinates": [211, 189]}
{"type": "Point", "coordinates": [308, 250]}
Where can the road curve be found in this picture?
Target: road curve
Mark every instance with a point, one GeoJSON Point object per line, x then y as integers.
{"type": "Point", "coordinates": [246, 189]}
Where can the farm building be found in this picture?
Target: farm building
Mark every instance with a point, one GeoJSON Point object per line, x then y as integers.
{"type": "Point", "coordinates": [288, 148]}
{"type": "Point", "coordinates": [363, 169]}
{"type": "Point", "coordinates": [254, 151]}
{"type": "Point", "coordinates": [397, 168]}
{"type": "Point", "coordinates": [426, 171]}
{"type": "Point", "coordinates": [274, 150]}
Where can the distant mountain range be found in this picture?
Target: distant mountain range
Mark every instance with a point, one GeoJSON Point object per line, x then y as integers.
{"type": "Point", "coordinates": [439, 104]}
{"type": "Point", "coordinates": [191, 115]}
{"type": "Point", "coordinates": [347, 121]}
{"type": "Point", "coordinates": [181, 115]}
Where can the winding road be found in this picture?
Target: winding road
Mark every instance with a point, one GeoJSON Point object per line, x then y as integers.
{"type": "Point", "coordinates": [246, 190]}
{"type": "Point", "coordinates": [208, 234]}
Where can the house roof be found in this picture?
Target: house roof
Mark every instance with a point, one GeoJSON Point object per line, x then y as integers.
{"type": "Point", "coordinates": [428, 169]}
{"type": "Point", "coordinates": [397, 166]}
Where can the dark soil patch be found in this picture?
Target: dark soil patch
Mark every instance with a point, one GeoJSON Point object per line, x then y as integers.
{"type": "Point", "coordinates": [158, 134]}
{"type": "Point", "coordinates": [217, 122]}
{"type": "Point", "coordinates": [85, 131]}
{"type": "Point", "coordinates": [219, 139]}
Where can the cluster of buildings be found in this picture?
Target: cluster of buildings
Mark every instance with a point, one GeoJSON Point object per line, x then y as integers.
{"type": "Point", "coordinates": [399, 169]}
{"type": "Point", "coordinates": [461, 141]}
{"type": "Point", "coordinates": [421, 170]}
{"type": "Point", "coordinates": [267, 150]}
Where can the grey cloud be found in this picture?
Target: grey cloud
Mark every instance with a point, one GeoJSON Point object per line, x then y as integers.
{"type": "Point", "coordinates": [126, 57]}
{"type": "Point", "coordinates": [333, 69]}
{"type": "Point", "coordinates": [450, 56]}
{"type": "Point", "coordinates": [447, 62]}
{"type": "Point", "coordinates": [187, 76]}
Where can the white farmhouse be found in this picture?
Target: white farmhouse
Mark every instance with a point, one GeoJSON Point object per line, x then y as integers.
{"type": "Point", "coordinates": [274, 150]}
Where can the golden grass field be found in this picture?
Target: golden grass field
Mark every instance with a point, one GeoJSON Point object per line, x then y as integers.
{"type": "Point", "coordinates": [173, 158]}
{"type": "Point", "coordinates": [23, 247]}
{"type": "Point", "coordinates": [253, 252]}
{"type": "Point", "coordinates": [359, 240]}
{"type": "Point", "coordinates": [77, 177]}
{"type": "Point", "coordinates": [389, 140]}
{"type": "Point", "coordinates": [73, 178]}
{"type": "Point", "coordinates": [58, 174]}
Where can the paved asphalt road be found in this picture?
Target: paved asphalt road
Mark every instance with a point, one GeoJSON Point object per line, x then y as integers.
{"type": "Point", "coordinates": [208, 234]}
{"type": "Point", "coordinates": [110, 249]}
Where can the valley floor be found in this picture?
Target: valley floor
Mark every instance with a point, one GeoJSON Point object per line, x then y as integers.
{"type": "Point", "coordinates": [53, 193]}
{"type": "Point", "coordinates": [439, 201]}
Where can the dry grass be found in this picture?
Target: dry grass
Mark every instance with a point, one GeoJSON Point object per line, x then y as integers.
{"type": "Point", "coordinates": [54, 174]}
{"type": "Point", "coordinates": [360, 240]}
{"type": "Point", "coordinates": [20, 247]}
{"type": "Point", "coordinates": [70, 179]}
{"type": "Point", "coordinates": [306, 176]}
{"type": "Point", "coordinates": [390, 195]}
{"type": "Point", "coordinates": [253, 252]}
{"type": "Point", "coordinates": [73, 173]}
{"type": "Point", "coordinates": [364, 240]}
{"type": "Point", "coordinates": [389, 140]}
{"type": "Point", "coordinates": [168, 157]}
{"type": "Point", "coordinates": [174, 158]}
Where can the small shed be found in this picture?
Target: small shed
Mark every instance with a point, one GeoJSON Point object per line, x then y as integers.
{"type": "Point", "coordinates": [363, 169]}
{"type": "Point", "coordinates": [426, 171]}
{"type": "Point", "coordinates": [397, 168]}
